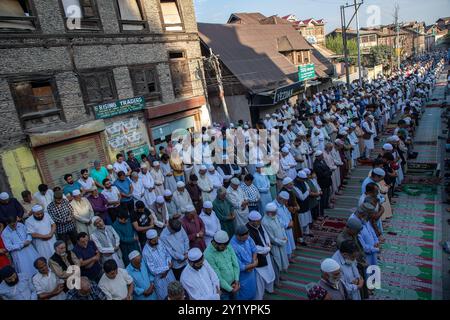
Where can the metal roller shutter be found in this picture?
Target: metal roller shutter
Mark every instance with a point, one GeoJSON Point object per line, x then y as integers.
{"type": "Point", "coordinates": [69, 156]}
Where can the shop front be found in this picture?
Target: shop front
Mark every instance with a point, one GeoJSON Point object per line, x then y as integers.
{"type": "Point", "coordinates": [68, 151]}
{"type": "Point", "coordinates": [163, 120]}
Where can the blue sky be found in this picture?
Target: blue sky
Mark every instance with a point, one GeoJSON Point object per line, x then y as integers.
{"type": "Point", "coordinates": [218, 11]}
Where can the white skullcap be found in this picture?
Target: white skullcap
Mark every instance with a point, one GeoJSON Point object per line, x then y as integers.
{"type": "Point", "coordinates": [155, 163]}
{"type": "Point", "coordinates": [94, 219]}
{"type": "Point", "coordinates": [245, 126]}
{"type": "Point", "coordinates": [76, 192]}
{"type": "Point", "coordinates": [388, 147]}
{"type": "Point", "coordinates": [353, 125]}
{"type": "Point", "coordinates": [143, 166]}
{"type": "Point", "coordinates": [284, 195]}
{"type": "Point", "coordinates": [207, 205]}
{"type": "Point", "coordinates": [379, 172]}
{"type": "Point", "coordinates": [180, 184]}
{"type": "Point", "coordinates": [302, 175]}
{"type": "Point", "coordinates": [211, 168]}
{"type": "Point", "coordinates": [318, 153]}
{"type": "Point", "coordinates": [342, 132]}
{"type": "Point", "coordinates": [371, 117]}
{"type": "Point", "coordinates": [235, 181]}
{"type": "Point", "coordinates": [254, 216]}
{"type": "Point", "coordinates": [286, 181]}
{"type": "Point", "coordinates": [221, 237]}
{"type": "Point", "coordinates": [319, 123]}
{"type": "Point", "coordinates": [260, 165]}
{"type": "Point", "coordinates": [37, 208]}
{"type": "Point", "coordinates": [194, 254]}
{"type": "Point", "coordinates": [308, 172]}
{"type": "Point", "coordinates": [267, 115]}
{"type": "Point", "coordinates": [151, 234]}
{"type": "Point", "coordinates": [167, 193]}
{"type": "Point", "coordinates": [133, 254]}
{"type": "Point", "coordinates": [109, 167]}
{"type": "Point", "coordinates": [285, 149]}
{"type": "Point", "coordinates": [189, 208]}
{"type": "Point", "coordinates": [202, 167]}
{"type": "Point", "coordinates": [339, 142]}
{"type": "Point", "coordinates": [271, 207]}
{"type": "Point", "coordinates": [329, 265]}
{"type": "Point", "coordinates": [160, 199]}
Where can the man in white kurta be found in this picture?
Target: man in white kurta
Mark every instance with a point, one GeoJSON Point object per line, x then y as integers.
{"type": "Point", "coordinates": [239, 201]}
{"type": "Point", "coordinates": [369, 127]}
{"type": "Point", "coordinates": [82, 212]}
{"type": "Point", "coordinates": [210, 220]}
{"type": "Point", "coordinates": [288, 163]}
{"type": "Point", "coordinates": [116, 288]}
{"type": "Point", "coordinates": [46, 282]}
{"type": "Point", "coordinates": [44, 198]}
{"type": "Point", "coordinates": [107, 241]}
{"type": "Point", "coordinates": [329, 160]}
{"type": "Point", "coordinates": [354, 142]}
{"type": "Point", "coordinates": [138, 188]}
{"type": "Point", "coordinates": [158, 178]}
{"type": "Point", "coordinates": [265, 275]}
{"type": "Point", "coordinates": [262, 183]}
{"type": "Point", "coordinates": [149, 185]}
{"type": "Point", "coordinates": [42, 229]}
{"type": "Point", "coordinates": [199, 279]}
{"type": "Point", "coordinates": [19, 245]}
{"type": "Point", "coordinates": [205, 184]}
{"type": "Point", "coordinates": [216, 180]}
{"type": "Point", "coordinates": [181, 196]}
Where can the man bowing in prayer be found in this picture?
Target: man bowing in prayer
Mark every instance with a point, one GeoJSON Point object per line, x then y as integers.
{"type": "Point", "coordinates": [278, 240]}
{"type": "Point", "coordinates": [199, 279]}
{"type": "Point", "coordinates": [246, 253]}
{"type": "Point", "coordinates": [158, 262]}
{"type": "Point", "coordinates": [18, 243]}
{"type": "Point", "coordinates": [265, 275]}
{"type": "Point", "coordinates": [42, 229]}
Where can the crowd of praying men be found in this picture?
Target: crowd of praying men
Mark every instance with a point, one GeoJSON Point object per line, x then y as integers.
{"type": "Point", "coordinates": [159, 228]}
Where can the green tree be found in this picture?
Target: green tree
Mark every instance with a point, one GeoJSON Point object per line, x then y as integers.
{"type": "Point", "coordinates": [381, 55]}
{"type": "Point", "coordinates": [336, 45]}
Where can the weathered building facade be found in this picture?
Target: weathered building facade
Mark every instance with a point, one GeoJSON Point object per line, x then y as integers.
{"type": "Point", "coordinates": [85, 79]}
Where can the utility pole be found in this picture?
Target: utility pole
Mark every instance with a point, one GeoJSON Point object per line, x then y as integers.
{"type": "Point", "coordinates": [397, 37]}
{"type": "Point", "coordinates": [345, 27]}
{"type": "Point", "coordinates": [358, 42]}
{"type": "Point", "coordinates": [214, 61]}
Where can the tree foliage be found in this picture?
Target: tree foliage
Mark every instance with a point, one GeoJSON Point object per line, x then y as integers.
{"type": "Point", "coordinates": [336, 45]}
{"type": "Point", "coordinates": [381, 55]}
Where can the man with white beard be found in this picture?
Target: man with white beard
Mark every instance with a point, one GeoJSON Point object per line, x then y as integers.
{"type": "Point", "coordinates": [216, 180]}
{"type": "Point", "coordinates": [181, 196]}
{"type": "Point", "coordinates": [149, 185]}
{"type": "Point", "coordinates": [138, 187]}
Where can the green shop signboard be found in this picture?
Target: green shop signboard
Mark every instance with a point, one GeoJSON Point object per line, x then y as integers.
{"type": "Point", "coordinates": [111, 109]}
{"type": "Point", "coordinates": [306, 72]}
{"type": "Point", "coordinates": [139, 151]}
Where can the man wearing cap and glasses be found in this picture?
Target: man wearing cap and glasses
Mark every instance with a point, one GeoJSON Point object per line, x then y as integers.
{"type": "Point", "coordinates": [199, 278]}
{"type": "Point", "coordinates": [223, 260]}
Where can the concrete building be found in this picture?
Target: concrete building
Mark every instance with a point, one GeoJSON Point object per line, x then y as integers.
{"type": "Point", "coordinates": [85, 79]}
{"type": "Point", "coordinates": [312, 29]}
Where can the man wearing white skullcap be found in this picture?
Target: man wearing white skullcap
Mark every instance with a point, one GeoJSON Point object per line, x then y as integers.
{"type": "Point", "coordinates": [285, 218]}
{"type": "Point", "coordinates": [9, 207]}
{"type": "Point", "coordinates": [222, 258]}
{"type": "Point", "coordinates": [160, 214]}
{"type": "Point", "coordinates": [324, 179]}
{"type": "Point", "coordinates": [159, 263]}
{"type": "Point", "coordinates": [199, 279]}
{"type": "Point", "coordinates": [262, 183]}
{"type": "Point", "coordinates": [194, 227]}
{"type": "Point", "coordinates": [210, 220]}
{"type": "Point", "coordinates": [388, 147]}
{"type": "Point", "coordinates": [239, 201]}
{"type": "Point", "coordinates": [82, 212]}
{"type": "Point", "coordinates": [216, 181]}
{"type": "Point", "coordinates": [376, 176]}
{"type": "Point", "coordinates": [144, 286]}
{"type": "Point", "coordinates": [265, 275]}
{"type": "Point", "coordinates": [181, 196]}
{"type": "Point", "coordinates": [42, 229]}
{"type": "Point", "coordinates": [278, 240]}
{"type": "Point", "coordinates": [370, 132]}
{"type": "Point", "coordinates": [288, 163]}
{"type": "Point", "coordinates": [158, 178]}
{"type": "Point", "coordinates": [205, 184]}
{"type": "Point", "coordinates": [331, 280]}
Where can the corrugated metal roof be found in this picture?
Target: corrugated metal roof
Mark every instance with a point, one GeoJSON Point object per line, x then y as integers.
{"type": "Point", "coordinates": [248, 17]}
{"type": "Point", "coordinates": [251, 52]}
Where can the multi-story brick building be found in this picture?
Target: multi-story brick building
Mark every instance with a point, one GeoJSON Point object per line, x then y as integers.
{"type": "Point", "coordinates": [85, 79]}
{"type": "Point", "coordinates": [313, 30]}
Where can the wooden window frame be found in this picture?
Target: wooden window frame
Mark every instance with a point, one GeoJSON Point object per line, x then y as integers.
{"type": "Point", "coordinates": [34, 20]}
{"type": "Point", "coordinates": [142, 22]}
{"type": "Point", "coordinates": [183, 93]}
{"type": "Point", "coordinates": [95, 19]}
{"type": "Point", "coordinates": [23, 117]}
{"type": "Point", "coordinates": [180, 12]}
{"type": "Point", "coordinates": [89, 72]}
{"type": "Point", "coordinates": [149, 97]}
